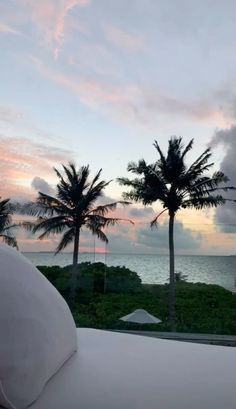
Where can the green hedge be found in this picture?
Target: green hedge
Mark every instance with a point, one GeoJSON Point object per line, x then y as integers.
{"type": "Point", "coordinates": [94, 278]}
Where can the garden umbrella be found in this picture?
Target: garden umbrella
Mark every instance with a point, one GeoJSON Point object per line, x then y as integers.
{"type": "Point", "coordinates": [141, 317]}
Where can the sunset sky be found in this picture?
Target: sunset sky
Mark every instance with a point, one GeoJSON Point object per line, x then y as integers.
{"type": "Point", "coordinates": [97, 81]}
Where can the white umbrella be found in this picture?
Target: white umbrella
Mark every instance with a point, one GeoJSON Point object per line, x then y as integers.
{"type": "Point", "coordinates": [141, 317]}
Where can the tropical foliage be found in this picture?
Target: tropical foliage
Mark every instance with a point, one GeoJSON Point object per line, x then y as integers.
{"type": "Point", "coordinates": [73, 208]}
{"type": "Point", "coordinates": [6, 226]}
{"type": "Point", "coordinates": [176, 186]}
{"type": "Point", "coordinates": [94, 278]}
{"type": "Point", "coordinates": [201, 308]}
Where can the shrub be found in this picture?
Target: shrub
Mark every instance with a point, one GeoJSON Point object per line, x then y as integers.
{"type": "Point", "coordinates": [58, 276]}
{"type": "Point", "coordinates": [94, 277]}
{"type": "Point", "coordinates": [100, 278]}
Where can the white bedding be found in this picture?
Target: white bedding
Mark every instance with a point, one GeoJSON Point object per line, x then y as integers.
{"type": "Point", "coordinates": [121, 371]}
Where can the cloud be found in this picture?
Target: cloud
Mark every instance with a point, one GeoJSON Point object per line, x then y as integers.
{"type": "Point", "coordinates": [41, 185]}
{"type": "Point", "coordinates": [158, 238]}
{"type": "Point", "coordinates": [121, 243]}
{"type": "Point", "coordinates": [91, 92]}
{"type": "Point", "coordinates": [227, 99]}
{"type": "Point", "coordinates": [128, 238]}
{"type": "Point", "coordinates": [6, 29]}
{"type": "Point", "coordinates": [140, 213]}
{"type": "Point", "coordinates": [146, 105]}
{"type": "Point", "coordinates": [131, 103]}
{"type": "Point", "coordinates": [11, 115]}
{"type": "Point", "coordinates": [21, 159]}
{"type": "Point", "coordinates": [50, 17]}
{"type": "Point", "coordinates": [15, 119]}
{"type": "Point", "coordinates": [94, 58]}
{"type": "Point", "coordinates": [225, 216]}
{"type": "Point", "coordinates": [124, 39]}
{"type": "Point", "coordinates": [60, 25]}
{"type": "Point", "coordinates": [143, 240]}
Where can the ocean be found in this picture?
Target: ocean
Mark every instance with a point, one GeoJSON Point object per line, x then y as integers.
{"type": "Point", "coordinates": [153, 269]}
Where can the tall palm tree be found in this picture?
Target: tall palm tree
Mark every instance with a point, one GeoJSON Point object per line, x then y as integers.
{"type": "Point", "coordinates": [176, 186]}
{"type": "Point", "coordinates": [73, 209]}
{"type": "Point", "coordinates": [6, 211]}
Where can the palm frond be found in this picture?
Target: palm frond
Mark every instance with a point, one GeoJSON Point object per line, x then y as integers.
{"type": "Point", "coordinates": [4, 205]}
{"type": "Point", "coordinates": [101, 235]}
{"type": "Point", "coordinates": [46, 205]}
{"type": "Point", "coordinates": [201, 164]}
{"type": "Point", "coordinates": [53, 225]}
{"type": "Point", "coordinates": [187, 149]}
{"type": "Point", "coordinates": [147, 189]}
{"type": "Point", "coordinates": [154, 221]}
{"type": "Point", "coordinates": [161, 154]}
{"type": "Point", "coordinates": [137, 168]}
{"type": "Point", "coordinates": [204, 202]}
{"type": "Point", "coordinates": [5, 221]}
{"type": "Point", "coordinates": [9, 240]}
{"type": "Point", "coordinates": [99, 221]}
{"type": "Point", "coordinates": [102, 210]}
{"type": "Point", "coordinates": [95, 179]}
{"type": "Point", "coordinates": [67, 238]}
{"type": "Point", "coordinates": [5, 214]}
{"type": "Point", "coordinates": [71, 173]}
{"type": "Point", "coordinates": [28, 226]}
{"type": "Point", "coordinates": [12, 226]}
{"type": "Point", "coordinates": [6, 226]}
{"type": "Point", "coordinates": [207, 185]}
{"type": "Point", "coordinates": [69, 190]}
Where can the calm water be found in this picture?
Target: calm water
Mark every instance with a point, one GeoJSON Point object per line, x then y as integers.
{"type": "Point", "coordinates": [152, 269]}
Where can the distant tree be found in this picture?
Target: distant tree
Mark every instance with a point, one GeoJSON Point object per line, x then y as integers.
{"type": "Point", "coordinates": [180, 277]}
{"type": "Point", "coordinates": [6, 226]}
{"type": "Point", "coordinates": [74, 207]}
{"type": "Point", "coordinates": [176, 186]}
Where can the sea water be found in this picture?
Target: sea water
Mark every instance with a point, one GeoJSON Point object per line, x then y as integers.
{"type": "Point", "coordinates": [153, 269]}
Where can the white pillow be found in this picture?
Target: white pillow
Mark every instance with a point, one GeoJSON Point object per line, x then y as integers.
{"type": "Point", "coordinates": [37, 330]}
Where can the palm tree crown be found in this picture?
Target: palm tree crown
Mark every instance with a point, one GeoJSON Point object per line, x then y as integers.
{"type": "Point", "coordinates": [175, 185]}
{"type": "Point", "coordinates": [73, 208]}
{"type": "Point", "coordinates": [6, 211]}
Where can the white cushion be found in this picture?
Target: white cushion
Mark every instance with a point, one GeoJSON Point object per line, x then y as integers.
{"type": "Point", "coordinates": [122, 371]}
{"type": "Point", "coordinates": [37, 331]}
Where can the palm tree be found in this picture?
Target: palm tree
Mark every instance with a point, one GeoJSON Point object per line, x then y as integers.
{"type": "Point", "coordinates": [73, 208]}
{"type": "Point", "coordinates": [176, 186]}
{"type": "Point", "coordinates": [6, 211]}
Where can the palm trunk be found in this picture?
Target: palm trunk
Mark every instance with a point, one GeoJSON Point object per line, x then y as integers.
{"type": "Point", "coordinates": [76, 247]}
{"type": "Point", "coordinates": [172, 273]}
{"type": "Point", "coordinates": [75, 268]}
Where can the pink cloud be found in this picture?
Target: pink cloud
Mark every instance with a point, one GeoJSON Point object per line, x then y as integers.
{"type": "Point", "coordinates": [14, 119]}
{"type": "Point", "coordinates": [67, 5]}
{"type": "Point", "coordinates": [11, 115]}
{"type": "Point", "coordinates": [6, 29]}
{"type": "Point", "coordinates": [21, 160]}
{"type": "Point", "coordinates": [50, 18]}
{"type": "Point", "coordinates": [124, 39]}
{"type": "Point", "coordinates": [137, 105]}
{"type": "Point", "coordinates": [91, 92]}
{"type": "Point", "coordinates": [146, 104]}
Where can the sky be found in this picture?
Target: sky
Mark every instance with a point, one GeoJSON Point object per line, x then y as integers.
{"type": "Point", "coordinates": [97, 81]}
